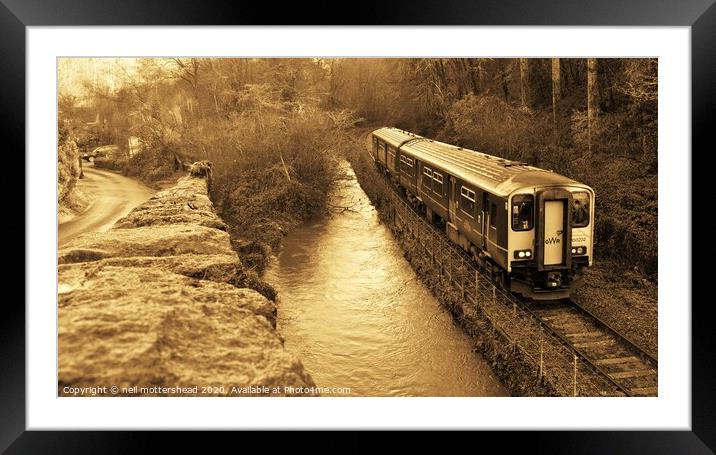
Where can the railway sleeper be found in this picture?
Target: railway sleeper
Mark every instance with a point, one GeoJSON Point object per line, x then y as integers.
{"type": "Point", "coordinates": [590, 344]}
{"type": "Point", "coordinates": [626, 366]}
{"type": "Point", "coordinates": [617, 360]}
{"type": "Point", "coordinates": [582, 335]}
{"type": "Point", "coordinates": [645, 391]}
{"type": "Point", "coordinates": [632, 374]}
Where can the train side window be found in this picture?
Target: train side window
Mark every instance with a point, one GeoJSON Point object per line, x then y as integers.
{"type": "Point", "coordinates": [580, 209]}
{"type": "Point", "coordinates": [438, 183]}
{"type": "Point", "coordinates": [522, 212]}
{"type": "Point", "coordinates": [428, 177]}
{"type": "Point", "coordinates": [467, 201]}
{"type": "Point", "coordinates": [409, 166]}
{"type": "Point", "coordinates": [493, 214]}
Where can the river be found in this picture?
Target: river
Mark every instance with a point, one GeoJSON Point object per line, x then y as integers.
{"type": "Point", "coordinates": [354, 311]}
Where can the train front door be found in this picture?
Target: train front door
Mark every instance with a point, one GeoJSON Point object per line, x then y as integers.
{"type": "Point", "coordinates": [553, 236]}
{"type": "Point", "coordinates": [554, 232]}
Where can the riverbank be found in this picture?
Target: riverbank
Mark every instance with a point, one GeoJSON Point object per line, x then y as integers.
{"type": "Point", "coordinates": [162, 299]}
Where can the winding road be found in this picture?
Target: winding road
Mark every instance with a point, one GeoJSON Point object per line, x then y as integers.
{"type": "Point", "coordinates": [113, 196]}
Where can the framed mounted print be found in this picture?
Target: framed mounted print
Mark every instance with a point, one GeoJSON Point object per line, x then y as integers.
{"type": "Point", "coordinates": [420, 217]}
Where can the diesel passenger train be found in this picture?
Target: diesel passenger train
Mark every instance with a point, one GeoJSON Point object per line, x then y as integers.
{"type": "Point", "coordinates": [532, 228]}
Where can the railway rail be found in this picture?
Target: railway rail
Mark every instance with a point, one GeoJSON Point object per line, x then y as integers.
{"type": "Point", "coordinates": [626, 365]}
{"type": "Point", "coordinates": [619, 361]}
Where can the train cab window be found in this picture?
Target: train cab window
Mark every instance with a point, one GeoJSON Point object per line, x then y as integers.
{"type": "Point", "coordinates": [438, 183]}
{"type": "Point", "coordinates": [522, 212]}
{"type": "Point", "coordinates": [580, 209]}
{"type": "Point", "coordinates": [467, 201]}
{"type": "Point", "coordinates": [493, 214]}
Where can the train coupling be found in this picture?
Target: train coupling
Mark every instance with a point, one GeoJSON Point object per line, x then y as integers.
{"type": "Point", "coordinates": [554, 280]}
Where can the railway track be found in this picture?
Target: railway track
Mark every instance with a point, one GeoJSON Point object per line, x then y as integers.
{"type": "Point", "coordinates": [628, 367]}
{"type": "Point", "coordinates": [624, 364]}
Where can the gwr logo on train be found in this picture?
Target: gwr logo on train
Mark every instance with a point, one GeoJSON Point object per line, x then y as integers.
{"type": "Point", "coordinates": [556, 239]}
{"type": "Point", "coordinates": [502, 212]}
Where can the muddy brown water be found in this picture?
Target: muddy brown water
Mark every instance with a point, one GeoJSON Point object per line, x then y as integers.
{"type": "Point", "coordinates": [353, 310]}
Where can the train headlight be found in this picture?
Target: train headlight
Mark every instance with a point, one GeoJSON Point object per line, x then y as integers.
{"type": "Point", "coordinates": [523, 254]}
{"type": "Point", "coordinates": [579, 250]}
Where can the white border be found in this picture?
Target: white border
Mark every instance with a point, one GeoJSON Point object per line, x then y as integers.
{"type": "Point", "coordinates": [671, 410]}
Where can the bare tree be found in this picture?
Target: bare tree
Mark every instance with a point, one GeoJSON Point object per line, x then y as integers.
{"type": "Point", "coordinates": [187, 70]}
{"type": "Point", "coordinates": [524, 82]}
{"type": "Point", "coordinates": [556, 95]}
{"type": "Point", "coordinates": [503, 75]}
{"type": "Point", "coordinates": [592, 98]}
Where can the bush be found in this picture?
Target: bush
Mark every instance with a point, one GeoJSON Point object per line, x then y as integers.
{"type": "Point", "coordinates": [274, 158]}
{"type": "Point", "coordinates": [115, 163]}
{"type": "Point", "coordinates": [151, 164]}
{"type": "Point", "coordinates": [68, 166]}
{"type": "Point", "coordinates": [274, 162]}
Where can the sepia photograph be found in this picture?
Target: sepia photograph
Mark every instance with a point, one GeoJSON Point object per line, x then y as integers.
{"type": "Point", "coordinates": [357, 227]}
{"type": "Point", "coordinates": [420, 216]}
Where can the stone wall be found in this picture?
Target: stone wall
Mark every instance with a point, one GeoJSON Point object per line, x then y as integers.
{"type": "Point", "coordinates": [158, 300]}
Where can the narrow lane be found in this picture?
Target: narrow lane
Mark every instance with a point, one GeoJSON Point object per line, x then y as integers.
{"type": "Point", "coordinates": [113, 196]}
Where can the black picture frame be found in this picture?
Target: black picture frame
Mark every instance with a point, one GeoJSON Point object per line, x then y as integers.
{"type": "Point", "coordinates": [16, 15]}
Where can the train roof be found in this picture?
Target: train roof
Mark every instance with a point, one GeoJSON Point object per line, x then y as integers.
{"type": "Point", "coordinates": [494, 173]}
{"type": "Point", "coordinates": [394, 136]}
